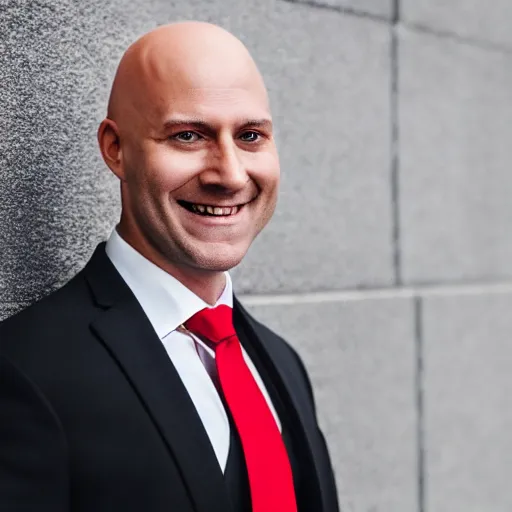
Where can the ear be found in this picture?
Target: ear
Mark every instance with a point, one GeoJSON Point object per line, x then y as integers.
{"type": "Point", "coordinates": [110, 147]}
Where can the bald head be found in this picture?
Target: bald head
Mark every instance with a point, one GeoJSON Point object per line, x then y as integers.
{"type": "Point", "coordinates": [190, 136]}
{"type": "Point", "coordinates": [179, 57]}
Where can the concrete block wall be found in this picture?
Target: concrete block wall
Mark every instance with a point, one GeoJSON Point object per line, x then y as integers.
{"type": "Point", "coordinates": [388, 262]}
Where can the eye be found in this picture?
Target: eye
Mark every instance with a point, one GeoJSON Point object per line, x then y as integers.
{"type": "Point", "coordinates": [186, 137]}
{"type": "Point", "coordinates": [253, 136]}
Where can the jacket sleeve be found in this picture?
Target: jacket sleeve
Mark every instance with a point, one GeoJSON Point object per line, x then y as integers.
{"type": "Point", "coordinates": [328, 471]}
{"type": "Point", "coordinates": [33, 452]}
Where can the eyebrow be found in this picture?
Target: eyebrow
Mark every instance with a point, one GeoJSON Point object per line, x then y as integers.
{"type": "Point", "coordinates": [203, 125]}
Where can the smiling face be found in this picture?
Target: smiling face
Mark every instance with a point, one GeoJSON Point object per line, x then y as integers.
{"type": "Point", "coordinates": [213, 148]}
{"type": "Point", "coordinates": [191, 140]}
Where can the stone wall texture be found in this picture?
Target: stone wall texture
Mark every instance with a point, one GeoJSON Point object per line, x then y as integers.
{"type": "Point", "coordinates": [388, 263]}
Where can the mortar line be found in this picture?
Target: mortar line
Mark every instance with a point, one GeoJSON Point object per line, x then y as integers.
{"type": "Point", "coordinates": [452, 36]}
{"type": "Point", "coordinates": [463, 289]}
{"type": "Point", "coordinates": [411, 25]}
{"type": "Point", "coordinates": [420, 411]}
{"type": "Point", "coordinates": [395, 13]}
{"type": "Point", "coordinates": [395, 156]}
{"type": "Point", "coordinates": [340, 9]}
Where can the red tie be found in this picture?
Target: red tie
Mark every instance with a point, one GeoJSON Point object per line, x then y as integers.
{"type": "Point", "coordinates": [268, 466]}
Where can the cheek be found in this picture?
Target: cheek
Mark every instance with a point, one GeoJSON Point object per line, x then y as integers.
{"type": "Point", "coordinates": [166, 172]}
{"type": "Point", "coordinates": [263, 163]}
{"type": "Point", "coordinates": [267, 172]}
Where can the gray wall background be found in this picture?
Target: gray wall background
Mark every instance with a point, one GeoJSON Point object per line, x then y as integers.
{"type": "Point", "coordinates": [388, 264]}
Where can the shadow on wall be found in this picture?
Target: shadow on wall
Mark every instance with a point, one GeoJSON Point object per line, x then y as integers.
{"type": "Point", "coordinates": [58, 198]}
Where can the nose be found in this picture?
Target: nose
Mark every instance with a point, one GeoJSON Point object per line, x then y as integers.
{"type": "Point", "coordinates": [225, 168]}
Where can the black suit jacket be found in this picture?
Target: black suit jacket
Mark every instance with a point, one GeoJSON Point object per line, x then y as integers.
{"type": "Point", "coordinates": [94, 416]}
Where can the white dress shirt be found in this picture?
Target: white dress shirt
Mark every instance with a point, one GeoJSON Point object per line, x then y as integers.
{"type": "Point", "coordinates": [168, 303]}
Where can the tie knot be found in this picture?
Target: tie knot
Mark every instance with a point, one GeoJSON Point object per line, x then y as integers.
{"type": "Point", "coordinates": [215, 324]}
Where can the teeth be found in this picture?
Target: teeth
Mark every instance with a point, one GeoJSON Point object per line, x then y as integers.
{"type": "Point", "coordinates": [215, 210]}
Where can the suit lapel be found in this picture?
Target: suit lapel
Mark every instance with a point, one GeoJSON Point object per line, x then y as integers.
{"type": "Point", "coordinates": [128, 335]}
{"type": "Point", "coordinates": [274, 364]}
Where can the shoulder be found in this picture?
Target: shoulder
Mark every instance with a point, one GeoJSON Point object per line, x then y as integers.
{"type": "Point", "coordinates": [282, 351]}
{"type": "Point", "coordinates": [39, 332]}
{"type": "Point", "coordinates": [67, 305]}
{"type": "Point", "coordinates": [279, 341]}
{"type": "Point", "coordinates": [57, 305]}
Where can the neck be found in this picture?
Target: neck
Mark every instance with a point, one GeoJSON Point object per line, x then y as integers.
{"type": "Point", "coordinates": [206, 284]}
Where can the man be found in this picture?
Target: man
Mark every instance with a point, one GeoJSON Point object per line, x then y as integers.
{"type": "Point", "coordinates": [143, 384]}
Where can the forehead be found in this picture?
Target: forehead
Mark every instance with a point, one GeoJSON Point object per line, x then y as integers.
{"type": "Point", "coordinates": [215, 86]}
{"type": "Point", "coordinates": [215, 104]}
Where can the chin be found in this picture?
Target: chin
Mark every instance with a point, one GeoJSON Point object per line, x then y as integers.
{"type": "Point", "coordinates": [220, 260]}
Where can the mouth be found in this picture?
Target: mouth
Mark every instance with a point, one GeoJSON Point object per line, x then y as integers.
{"type": "Point", "coordinates": [207, 210]}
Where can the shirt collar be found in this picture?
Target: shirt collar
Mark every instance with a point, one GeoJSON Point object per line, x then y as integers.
{"type": "Point", "coordinates": [166, 302]}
